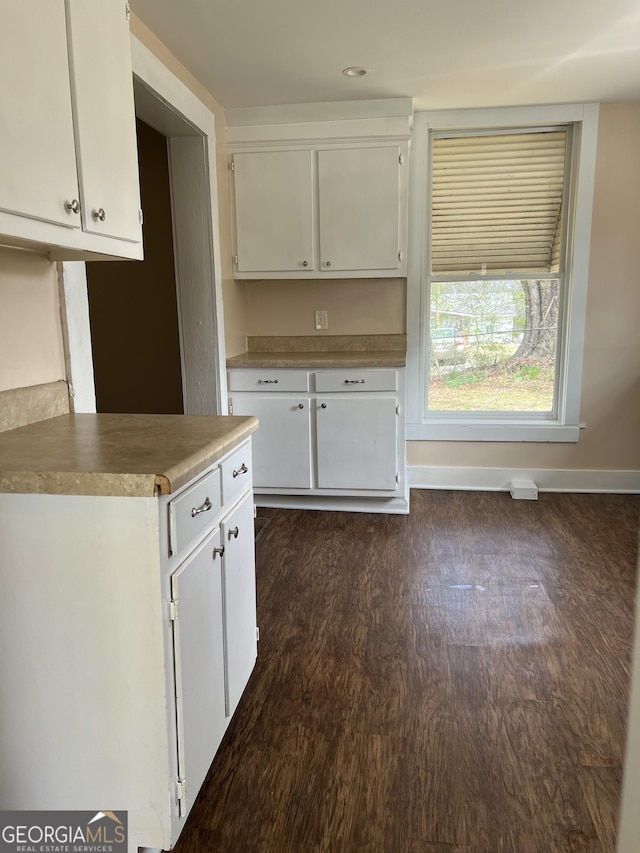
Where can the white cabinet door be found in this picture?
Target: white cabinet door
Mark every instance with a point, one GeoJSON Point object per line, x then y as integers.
{"type": "Point", "coordinates": [104, 115]}
{"type": "Point", "coordinates": [359, 208]}
{"type": "Point", "coordinates": [196, 587]}
{"type": "Point", "coordinates": [37, 167]}
{"type": "Point", "coordinates": [356, 443]}
{"type": "Point", "coordinates": [282, 444]}
{"type": "Point", "coordinates": [239, 600]}
{"type": "Point", "coordinates": [274, 211]}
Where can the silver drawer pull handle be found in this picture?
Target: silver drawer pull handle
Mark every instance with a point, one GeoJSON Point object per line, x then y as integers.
{"type": "Point", "coordinates": [354, 381]}
{"type": "Point", "coordinates": [267, 381]}
{"type": "Point", "coordinates": [217, 551]}
{"type": "Point", "coordinates": [205, 507]}
{"type": "Point", "coordinates": [241, 470]}
{"type": "Point", "coordinates": [72, 206]}
{"type": "Point", "coordinates": [233, 532]}
{"type": "Point", "coordinates": [99, 214]}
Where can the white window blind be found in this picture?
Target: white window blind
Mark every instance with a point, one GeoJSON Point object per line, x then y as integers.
{"type": "Point", "coordinates": [497, 203]}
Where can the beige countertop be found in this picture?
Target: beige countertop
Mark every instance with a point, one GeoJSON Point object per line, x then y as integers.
{"type": "Point", "coordinates": [323, 351]}
{"type": "Point", "coordinates": [115, 455]}
{"type": "Point", "coordinates": [318, 359]}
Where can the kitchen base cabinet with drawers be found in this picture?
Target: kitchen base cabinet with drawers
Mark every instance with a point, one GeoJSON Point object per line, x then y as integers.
{"type": "Point", "coordinates": [128, 636]}
{"type": "Point", "coordinates": [328, 439]}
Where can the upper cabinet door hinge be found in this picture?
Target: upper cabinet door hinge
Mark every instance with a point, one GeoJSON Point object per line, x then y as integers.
{"type": "Point", "coordinates": [401, 159]}
{"type": "Point", "coordinates": [398, 409]}
{"type": "Point", "coordinates": [127, 9]}
{"type": "Point", "coordinates": [235, 260]}
{"type": "Point", "coordinates": [257, 634]}
{"type": "Point", "coordinates": [233, 165]}
{"type": "Point", "coordinates": [181, 796]}
{"type": "Point", "coordinates": [173, 610]}
{"type": "Point", "coordinates": [400, 256]}
{"type": "Point", "coordinates": [140, 216]}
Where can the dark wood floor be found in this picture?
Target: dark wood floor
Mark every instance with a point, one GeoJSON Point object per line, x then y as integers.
{"type": "Point", "coordinates": [455, 680]}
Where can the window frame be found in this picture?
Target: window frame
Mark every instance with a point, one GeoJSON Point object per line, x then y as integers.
{"type": "Point", "coordinates": [565, 426]}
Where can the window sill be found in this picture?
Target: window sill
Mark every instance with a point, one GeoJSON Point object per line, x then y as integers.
{"type": "Point", "coordinates": [455, 430]}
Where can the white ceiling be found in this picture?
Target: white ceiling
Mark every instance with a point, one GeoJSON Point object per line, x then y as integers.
{"type": "Point", "coordinates": [443, 53]}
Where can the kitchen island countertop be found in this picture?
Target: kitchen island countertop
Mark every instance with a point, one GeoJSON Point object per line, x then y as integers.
{"type": "Point", "coordinates": [115, 454]}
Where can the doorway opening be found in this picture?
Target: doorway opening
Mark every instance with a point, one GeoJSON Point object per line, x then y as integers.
{"type": "Point", "coordinates": [133, 307]}
{"type": "Point", "coordinates": [168, 107]}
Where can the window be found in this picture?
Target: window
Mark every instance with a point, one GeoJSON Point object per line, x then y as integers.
{"type": "Point", "coordinates": [500, 222]}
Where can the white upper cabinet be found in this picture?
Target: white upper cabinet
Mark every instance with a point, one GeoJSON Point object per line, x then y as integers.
{"type": "Point", "coordinates": [319, 212]}
{"type": "Point", "coordinates": [38, 175]}
{"type": "Point", "coordinates": [104, 113]}
{"type": "Point", "coordinates": [274, 211]}
{"type": "Point", "coordinates": [69, 170]}
{"type": "Point", "coordinates": [320, 191]}
{"type": "Point", "coordinates": [359, 195]}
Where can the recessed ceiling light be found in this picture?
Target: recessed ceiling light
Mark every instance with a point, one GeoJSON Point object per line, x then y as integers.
{"type": "Point", "coordinates": [355, 71]}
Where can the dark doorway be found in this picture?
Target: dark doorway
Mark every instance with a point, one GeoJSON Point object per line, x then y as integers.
{"type": "Point", "coordinates": [132, 304]}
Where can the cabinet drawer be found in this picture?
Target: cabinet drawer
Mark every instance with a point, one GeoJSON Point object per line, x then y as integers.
{"type": "Point", "coordinates": [268, 380]}
{"type": "Point", "coordinates": [356, 380]}
{"type": "Point", "coordinates": [236, 473]}
{"type": "Point", "coordinates": [192, 512]}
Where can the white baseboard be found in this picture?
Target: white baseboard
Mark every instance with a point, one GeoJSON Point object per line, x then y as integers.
{"type": "Point", "coordinates": [547, 480]}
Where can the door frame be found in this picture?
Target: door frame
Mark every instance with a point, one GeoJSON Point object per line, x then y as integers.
{"type": "Point", "coordinates": [167, 105]}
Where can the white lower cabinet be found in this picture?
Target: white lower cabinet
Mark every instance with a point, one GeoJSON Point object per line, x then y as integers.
{"type": "Point", "coordinates": [129, 634]}
{"type": "Point", "coordinates": [357, 443]}
{"type": "Point", "coordinates": [342, 437]}
{"type": "Point", "coordinates": [282, 445]}
{"type": "Point", "coordinates": [196, 593]}
{"type": "Point", "coordinates": [238, 600]}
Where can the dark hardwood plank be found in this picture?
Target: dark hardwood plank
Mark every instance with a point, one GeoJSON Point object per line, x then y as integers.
{"type": "Point", "coordinates": [601, 788]}
{"type": "Point", "coordinates": [454, 681]}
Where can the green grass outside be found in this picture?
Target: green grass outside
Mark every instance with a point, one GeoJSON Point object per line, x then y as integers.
{"type": "Point", "coordinates": [528, 389]}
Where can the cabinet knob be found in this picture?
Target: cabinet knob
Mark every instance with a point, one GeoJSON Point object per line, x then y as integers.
{"type": "Point", "coordinates": [327, 263]}
{"type": "Point", "coordinates": [72, 206]}
{"type": "Point", "coordinates": [217, 551]}
{"type": "Point", "coordinates": [305, 263]}
{"type": "Point", "coordinates": [323, 405]}
{"type": "Point", "coordinates": [99, 214]}
{"type": "Point", "coordinates": [301, 405]}
{"type": "Point", "coordinates": [233, 532]}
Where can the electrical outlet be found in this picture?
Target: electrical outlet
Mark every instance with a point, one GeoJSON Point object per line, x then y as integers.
{"type": "Point", "coordinates": [322, 319]}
